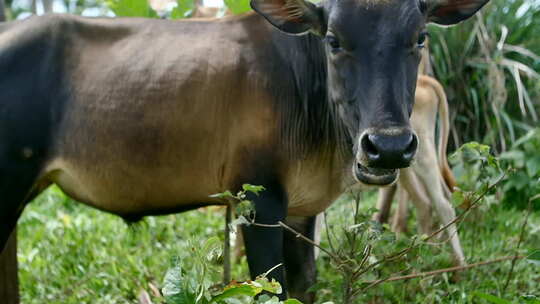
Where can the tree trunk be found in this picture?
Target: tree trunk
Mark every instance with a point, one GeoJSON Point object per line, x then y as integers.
{"type": "Point", "coordinates": [9, 279]}
{"type": "Point", "coordinates": [47, 6]}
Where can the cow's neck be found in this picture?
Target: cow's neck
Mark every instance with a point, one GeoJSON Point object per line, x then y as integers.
{"type": "Point", "coordinates": [310, 123]}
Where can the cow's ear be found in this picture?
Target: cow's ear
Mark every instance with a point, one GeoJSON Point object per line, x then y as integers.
{"type": "Point", "coordinates": [291, 16]}
{"type": "Point", "coordinates": [448, 12]}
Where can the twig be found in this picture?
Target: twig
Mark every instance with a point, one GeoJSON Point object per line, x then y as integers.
{"type": "Point", "coordinates": [265, 225]}
{"type": "Point", "coordinates": [332, 248]}
{"type": "Point", "coordinates": [227, 246]}
{"type": "Point", "coordinates": [280, 224]}
{"type": "Point", "coordinates": [301, 236]}
{"type": "Point", "coordinates": [472, 205]}
{"type": "Point", "coordinates": [440, 271]}
{"type": "Point", "coordinates": [272, 269]}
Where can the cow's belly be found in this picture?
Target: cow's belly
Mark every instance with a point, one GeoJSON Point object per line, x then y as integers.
{"type": "Point", "coordinates": [123, 189]}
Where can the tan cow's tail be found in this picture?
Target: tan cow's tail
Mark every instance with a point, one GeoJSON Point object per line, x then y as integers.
{"type": "Point", "coordinates": [446, 172]}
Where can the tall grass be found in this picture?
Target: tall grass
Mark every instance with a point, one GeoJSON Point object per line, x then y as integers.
{"type": "Point", "coordinates": [489, 67]}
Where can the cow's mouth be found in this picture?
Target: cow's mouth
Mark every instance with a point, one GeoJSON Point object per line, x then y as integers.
{"type": "Point", "coordinates": [374, 176]}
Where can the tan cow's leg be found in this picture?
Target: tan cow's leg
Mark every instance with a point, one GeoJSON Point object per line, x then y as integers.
{"type": "Point", "coordinates": [399, 222]}
{"type": "Point", "coordinates": [384, 203]}
{"type": "Point", "coordinates": [417, 194]}
{"type": "Point", "coordinates": [427, 171]}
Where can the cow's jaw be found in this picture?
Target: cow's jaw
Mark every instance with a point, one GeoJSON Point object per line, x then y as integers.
{"type": "Point", "coordinates": [374, 176]}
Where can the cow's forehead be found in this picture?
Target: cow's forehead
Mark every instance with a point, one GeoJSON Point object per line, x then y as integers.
{"type": "Point", "coordinates": [362, 11]}
{"type": "Point", "coordinates": [378, 4]}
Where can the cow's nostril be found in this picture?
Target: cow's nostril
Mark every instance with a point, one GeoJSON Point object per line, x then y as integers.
{"type": "Point", "coordinates": [409, 152]}
{"type": "Point", "coordinates": [369, 148]}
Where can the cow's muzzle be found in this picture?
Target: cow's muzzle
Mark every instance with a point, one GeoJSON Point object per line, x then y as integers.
{"type": "Point", "coordinates": [382, 153]}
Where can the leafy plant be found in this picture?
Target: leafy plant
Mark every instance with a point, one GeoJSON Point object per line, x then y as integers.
{"type": "Point", "coordinates": [524, 183]}
{"type": "Point", "coordinates": [131, 8]}
{"type": "Point", "coordinates": [189, 283]}
{"type": "Point", "coordinates": [476, 169]}
{"type": "Point", "coordinates": [489, 67]}
{"type": "Point", "coordinates": [238, 6]}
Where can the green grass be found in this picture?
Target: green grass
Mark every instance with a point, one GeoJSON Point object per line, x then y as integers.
{"type": "Point", "coordinates": [70, 253]}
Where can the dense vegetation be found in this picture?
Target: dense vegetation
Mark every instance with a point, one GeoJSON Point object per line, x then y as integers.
{"type": "Point", "coordinates": [489, 66]}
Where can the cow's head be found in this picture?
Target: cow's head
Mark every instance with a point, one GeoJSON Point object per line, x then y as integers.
{"type": "Point", "coordinates": [373, 50]}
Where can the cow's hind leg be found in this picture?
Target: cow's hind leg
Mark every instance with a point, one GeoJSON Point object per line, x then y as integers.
{"type": "Point", "coordinates": [399, 222]}
{"type": "Point", "coordinates": [384, 203]}
{"type": "Point", "coordinates": [443, 207]}
{"type": "Point", "coordinates": [419, 197]}
{"type": "Point", "coordinates": [300, 258]}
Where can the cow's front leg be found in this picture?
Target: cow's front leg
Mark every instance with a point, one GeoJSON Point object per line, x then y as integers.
{"type": "Point", "coordinates": [300, 258]}
{"type": "Point", "coordinates": [264, 245]}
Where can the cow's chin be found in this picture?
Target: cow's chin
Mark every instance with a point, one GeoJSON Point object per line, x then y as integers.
{"type": "Point", "coordinates": [374, 176]}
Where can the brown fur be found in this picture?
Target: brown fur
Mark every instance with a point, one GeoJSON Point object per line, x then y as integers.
{"type": "Point", "coordinates": [128, 155]}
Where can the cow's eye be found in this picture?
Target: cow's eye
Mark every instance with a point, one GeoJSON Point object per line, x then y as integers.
{"type": "Point", "coordinates": [333, 42]}
{"type": "Point", "coordinates": [422, 39]}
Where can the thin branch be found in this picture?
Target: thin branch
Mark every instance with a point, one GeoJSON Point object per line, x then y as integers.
{"type": "Point", "coordinates": [440, 271]}
{"type": "Point", "coordinates": [332, 248]}
{"type": "Point", "coordinates": [280, 224]}
{"type": "Point", "coordinates": [472, 205]}
{"type": "Point", "coordinates": [265, 225]}
{"type": "Point", "coordinates": [227, 246]}
{"type": "Point", "coordinates": [301, 236]}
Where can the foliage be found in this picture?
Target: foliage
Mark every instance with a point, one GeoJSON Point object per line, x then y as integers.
{"type": "Point", "coordinates": [73, 254]}
{"type": "Point", "coordinates": [131, 8]}
{"type": "Point", "coordinates": [237, 6]}
{"type": "Point", "coordinates": [188, 283]}
{"type": "Point", "coordinates": [489, 67]}
{"type": "Point", "coordinates": [524, 183]}
{"type": "Point", "coordinates": [476, 169]}
{"type": "Point", "coordinates": [191, 285]}
{"type": "Point", "coordinates": [183, 9]}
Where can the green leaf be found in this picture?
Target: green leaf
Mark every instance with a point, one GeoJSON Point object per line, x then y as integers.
{"type": "Point", "coordinates": [245, 208]}
{"type": "Point", "coordinates": [222, 195]}
{"type": "Point", "coordinates": [183, 9]}
{"type": "Point", "coordinates": [252, 188]}
{"type": "Point", "coordinates": [530, 299]}
{"type": "Point", "coordinates": [236, 290]}
{"type": "Point", "coordinates": [174, 290]}
{"type": "Point", "coordinates": [131, 8]}
{"type": "Point", "coordinates": [292, 301]}
{"type": "Point", "coordinates": [238, 6]}
{"type": "Point", "coordinates": [270, 286]}
{"type": "Point", "coordinates": [212, 248]}
{"type": "Point", "coordinates": [491, 298]}
{"type": "Point", "coordinates": [533, 165]}
{"type": "Point", "coordinates": [534, 257]}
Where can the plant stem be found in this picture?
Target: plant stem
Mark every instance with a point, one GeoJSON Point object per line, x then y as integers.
{"type": "Point", "coordinates": [227, 246]}
{"type": "Point", "coordinates": [440, 271]}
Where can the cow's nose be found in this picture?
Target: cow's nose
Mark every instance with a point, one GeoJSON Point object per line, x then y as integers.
{"type": "Point", "coordinates": [389, 151]}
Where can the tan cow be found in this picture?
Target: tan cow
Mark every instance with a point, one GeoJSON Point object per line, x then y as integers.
{"type": "Point", "coordinates": [428, 181]}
